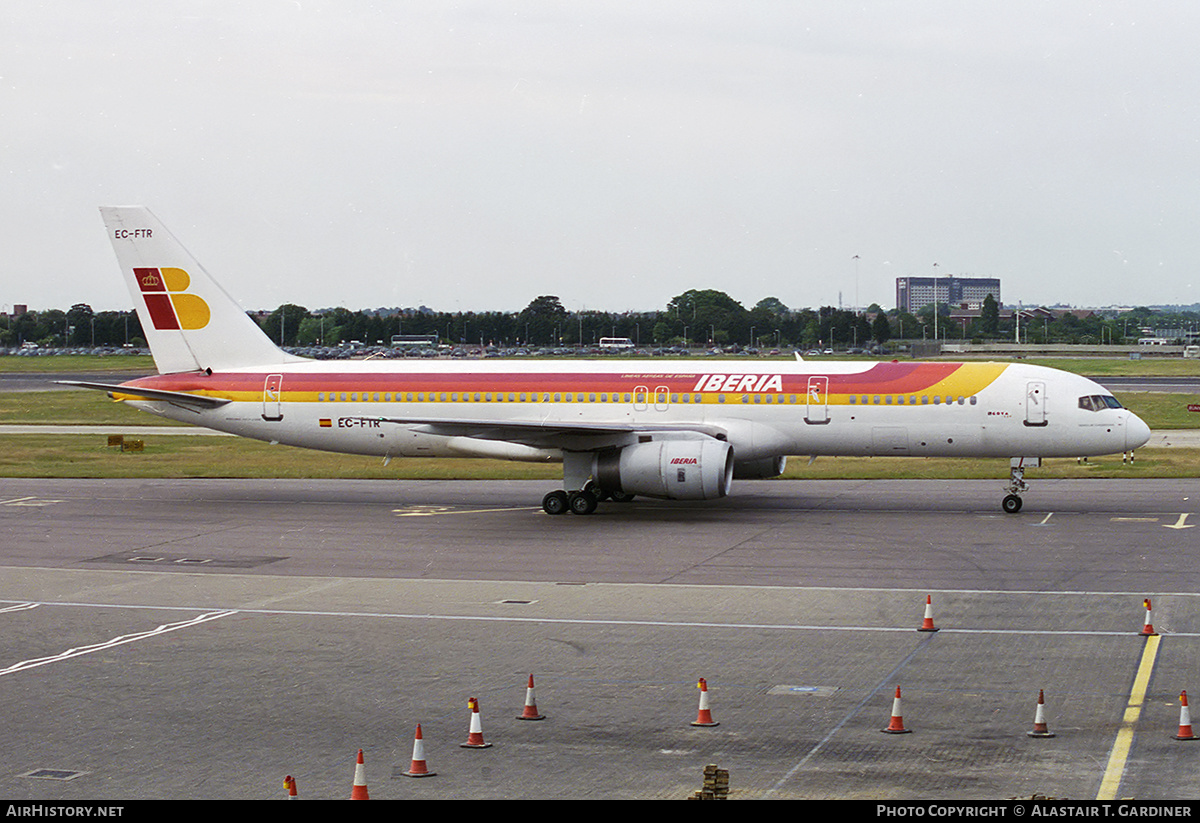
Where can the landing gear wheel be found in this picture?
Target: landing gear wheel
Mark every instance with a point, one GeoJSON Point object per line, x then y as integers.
{"type": "Point", "coordinates": [555, 503]}
{"type": "Point", "coordinates": [582, 502]}
{"type": "Point", "coordinates": [1011, 503]}
{"type": "Point", "coordinates": [620, 497]}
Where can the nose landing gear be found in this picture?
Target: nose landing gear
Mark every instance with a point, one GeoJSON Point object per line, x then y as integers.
{"type": "Point", "coordinates": [1016, 482]}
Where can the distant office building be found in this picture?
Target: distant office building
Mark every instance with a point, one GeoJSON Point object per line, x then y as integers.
{"type": "Point", "coordinates": [913, 293]}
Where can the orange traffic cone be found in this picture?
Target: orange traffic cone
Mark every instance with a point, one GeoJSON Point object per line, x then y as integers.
{"type": "Point", "coordinates": [1185, 719]}
{"type": "Point", "coordinates": [896, 726]}
{"type": "Point", "coordinates": [1040, 729]}
{"type": "Point", "coordinates": [475, 736]}
{"type": "Point", "coordinates": [531, 709]}
{"type": "Point", "coordinates": [927, 623]}
{"type": "Point", "coordinates": [359, 792]}
{"type": "Point", "coordinates": [418, 767]}
{"type": "Point", "coordinates": [1148, 628]}
{"type": "Point", "coordinates": [704, 715]}
{"type": "Point", "coordinates": [289, 783]}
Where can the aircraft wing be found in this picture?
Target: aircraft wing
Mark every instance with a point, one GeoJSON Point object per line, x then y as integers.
{"type": "Point", "coordinates": [195, 401]}
{"type": "Point", "coordinates": [545, 433]}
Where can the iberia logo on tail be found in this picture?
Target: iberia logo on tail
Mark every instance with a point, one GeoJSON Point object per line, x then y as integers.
{"type": "Point", "coordinates": [171, 307]}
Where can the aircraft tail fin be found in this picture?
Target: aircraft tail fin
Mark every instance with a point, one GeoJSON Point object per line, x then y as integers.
{"type": "Point", "coordinates": [190, 322]}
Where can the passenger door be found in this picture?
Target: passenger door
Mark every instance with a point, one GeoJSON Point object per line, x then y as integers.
{"type": "Point", "coordinates": [818, 401]}
{"type": "Point", "coordinates": [1035, 403]}
{"type": "Point", "coordinates": [273, 398]}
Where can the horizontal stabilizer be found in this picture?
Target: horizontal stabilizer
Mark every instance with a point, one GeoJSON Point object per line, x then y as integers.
{"type": "Point", "coordinates": [118, 392]}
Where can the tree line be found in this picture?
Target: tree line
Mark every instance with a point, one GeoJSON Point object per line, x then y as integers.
{"type": "Point", "coordinates": [695, 318]}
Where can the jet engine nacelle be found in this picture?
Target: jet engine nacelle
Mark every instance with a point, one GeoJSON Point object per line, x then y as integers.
{"type": "Point", "coordinates": [760, 469]}
{"type": "Point", "coordinates": [676, 469]}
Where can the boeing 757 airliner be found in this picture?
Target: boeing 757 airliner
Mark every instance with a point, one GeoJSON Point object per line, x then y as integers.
{"type": "Point", "coordinates": [665, 429]}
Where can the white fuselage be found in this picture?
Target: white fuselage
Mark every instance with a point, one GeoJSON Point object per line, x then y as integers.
{"type": "Point", "coordinates": [763, 409]}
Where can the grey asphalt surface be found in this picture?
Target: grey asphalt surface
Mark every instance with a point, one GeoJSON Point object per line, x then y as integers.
{"type": "Point", "coordinates": [201, 639]}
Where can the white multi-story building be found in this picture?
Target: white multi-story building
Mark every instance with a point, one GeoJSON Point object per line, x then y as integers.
{"type": "Point", "coordinates": [913, 293]}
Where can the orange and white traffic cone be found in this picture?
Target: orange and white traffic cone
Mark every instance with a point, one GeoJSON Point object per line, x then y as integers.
{"type": "Point", "coordinates": [1040, 729]}
{"type": "Point", "coordinates": [289, 783]}
{"type": "Point", "coordinates": [896, 726]}
{"type": "Point", "coordinates": [359, 792]}
{"type": "Point", "coordinates": [927, 623]}
{"type": "Point", "coordinates": [1185, 719]}
{"type": "Point", "coordinates": [704, 715]}
{"type": "Point", "coordinates": [418, 768]}
{"type": "Point", "coordinates": [531, 709]}
{"type": "Point", "coordinates": [1148, 628]}
{"type": "Point", "coordinates": [475, 735]}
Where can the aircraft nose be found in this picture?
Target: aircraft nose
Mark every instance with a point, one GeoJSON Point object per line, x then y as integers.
{"type": "Point", "coordinates": [1137, 433]}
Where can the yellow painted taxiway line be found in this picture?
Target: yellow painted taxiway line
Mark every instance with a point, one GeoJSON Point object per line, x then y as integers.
{"type": "Point", "coordinates": [437, 511]}
{"type": "Point", "coordinates": [1119, 755]}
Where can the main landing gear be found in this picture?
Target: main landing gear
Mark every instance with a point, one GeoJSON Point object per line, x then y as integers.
{"type": "Point", "coordinates": [583, 501]}
{"type": "Point", "coordinates": [1016, 484]}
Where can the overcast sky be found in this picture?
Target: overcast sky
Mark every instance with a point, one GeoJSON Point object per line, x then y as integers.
{"type": "Point", "coordinates": [474, 155]}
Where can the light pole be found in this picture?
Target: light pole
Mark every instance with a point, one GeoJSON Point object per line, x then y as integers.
{"type": "Point", "coordinates": [856, 304]}
{"type": "Point", "coordinates": [935, 303]}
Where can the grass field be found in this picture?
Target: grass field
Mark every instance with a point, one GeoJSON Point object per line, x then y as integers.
{"type": "Point", "coordinates": [168, 456]}
{"type": "Point", "coordinates": [72, 408]}
{"type": "Point", "coordinates": [40, 455]}
{"type": "Point", "coordinates": [77, 363]}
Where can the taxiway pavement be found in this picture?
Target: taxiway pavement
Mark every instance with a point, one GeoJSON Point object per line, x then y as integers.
{"type": "Point", "coordinates": [180, 639]}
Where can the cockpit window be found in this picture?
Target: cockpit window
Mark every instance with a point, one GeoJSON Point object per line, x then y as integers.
{"type": "Point", "coordinates": [1099, 402]}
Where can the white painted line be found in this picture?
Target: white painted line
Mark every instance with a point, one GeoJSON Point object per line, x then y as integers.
{"type": "Point", "coordinates": [1178, 524]}
{"type": "Point", "coordinates": [614, 621]}
{"type": "Point", "coordinates": [116, 641]}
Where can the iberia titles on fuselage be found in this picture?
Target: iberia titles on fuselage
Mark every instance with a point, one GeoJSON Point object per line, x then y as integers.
{"type": "Point", "coordinates": [678, 430]}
